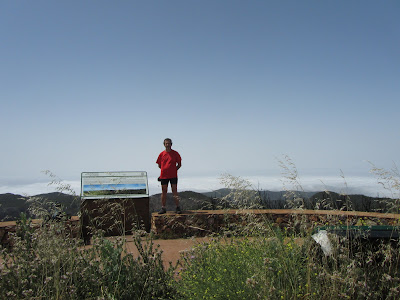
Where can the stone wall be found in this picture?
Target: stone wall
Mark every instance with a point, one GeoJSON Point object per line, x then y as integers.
{"type": "Point", "coordinates": [202, 223]}
{"type": "Point", "coordinates": [8, 228]}
{"type": "Point", "coordinates": [115, 216]}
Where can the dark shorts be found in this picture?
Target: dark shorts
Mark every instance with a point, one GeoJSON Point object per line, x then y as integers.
{"type": "Point", "coordinates": [172, 180]}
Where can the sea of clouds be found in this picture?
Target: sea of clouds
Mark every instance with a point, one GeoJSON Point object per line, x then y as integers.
{"type": "Point", "coordinates": [350, 185]}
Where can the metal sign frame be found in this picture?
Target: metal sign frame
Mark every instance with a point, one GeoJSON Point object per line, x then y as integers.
{"type": "Point", "coordinates": [111, 185]}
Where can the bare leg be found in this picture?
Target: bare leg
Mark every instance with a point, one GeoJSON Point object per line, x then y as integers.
{"type": "Point", "coordinates": [174, 188]}
{"type": "Point", "coordinates": [164, 189]}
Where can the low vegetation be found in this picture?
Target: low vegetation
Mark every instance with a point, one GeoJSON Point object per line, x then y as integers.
{"type": "Point", "coordinates": [266, 262]}
{"type": "Point", "coordinates": [259, 261]}
{"type": "Point", "coordinates": [46, 264]}
{"type": "Point", "coordinates": [279, 265]}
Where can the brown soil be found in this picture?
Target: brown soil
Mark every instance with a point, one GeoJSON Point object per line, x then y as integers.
{"type": "Point", "coordinates": [171, 249]}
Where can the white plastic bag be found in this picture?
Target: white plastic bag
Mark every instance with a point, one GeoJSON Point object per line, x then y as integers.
{"type": "Point", "coordinates": [321, 237]}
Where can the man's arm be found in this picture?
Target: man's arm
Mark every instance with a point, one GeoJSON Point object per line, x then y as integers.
{"type": "Point", "coordinates": [178, 165]}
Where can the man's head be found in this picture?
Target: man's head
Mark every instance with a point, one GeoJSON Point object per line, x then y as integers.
{"type": "Point", "coordinates": [167, 144]}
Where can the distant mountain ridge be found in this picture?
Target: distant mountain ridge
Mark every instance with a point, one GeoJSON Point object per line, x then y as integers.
{"type": "Point", "coordinates": [271, 195]}
{"type": "Point", "coordinates": [11, 205]}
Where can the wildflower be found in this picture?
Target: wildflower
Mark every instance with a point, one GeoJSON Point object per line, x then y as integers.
{"type": "Point", "coordinates": [251, 282]}
{"type": "Point", "coordinates": [387, 277]}
{"type": "Point", "coordinates": [6, 272]}
{"type": "Point", "coordinates": [27, 292]}
{"type": "Point", "coordinates": [47, 280]}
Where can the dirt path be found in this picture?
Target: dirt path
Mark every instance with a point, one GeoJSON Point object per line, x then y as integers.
{"type": "Point", "coordinates": [171, 249]}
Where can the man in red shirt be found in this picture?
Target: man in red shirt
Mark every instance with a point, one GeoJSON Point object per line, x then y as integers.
{"type": "Point", "coordinates": [169, 161]}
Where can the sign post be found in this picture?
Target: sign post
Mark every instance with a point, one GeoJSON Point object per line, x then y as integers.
{"type": "Point", "coordinates": [115, 202]}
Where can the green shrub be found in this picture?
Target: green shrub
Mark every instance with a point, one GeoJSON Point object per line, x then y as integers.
{"type": "Point", "coordinates": [264, 262]}
{"type": "Point", "coordinates": [244, 268]}
{"type": "Point", "coordinates": [47, 264]}
{"type": "Point", "coordinates": [286, 267]}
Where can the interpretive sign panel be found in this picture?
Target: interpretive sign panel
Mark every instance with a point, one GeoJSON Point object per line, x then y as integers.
{"type": "Point", "coordinates": [109, 185]}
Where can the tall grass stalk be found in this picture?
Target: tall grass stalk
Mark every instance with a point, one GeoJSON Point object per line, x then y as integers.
{"type": "Point", "coordinates": [266, 262]}
{"type": "Point", "coordinates": [390, 181]}
{"type": "Point", "coordinates": [47, 264]}
{"type": "Point", "coordinates": [275, 264]}
{"type": "Point", "coordinates": [241, 193]}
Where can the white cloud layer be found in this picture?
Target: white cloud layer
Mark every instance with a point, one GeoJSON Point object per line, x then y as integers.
{"type": "Point", "coordinates": [350, 185]}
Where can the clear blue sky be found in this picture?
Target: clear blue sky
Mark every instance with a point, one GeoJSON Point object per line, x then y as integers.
{"type": "Point", "coordinates": [97, 86]}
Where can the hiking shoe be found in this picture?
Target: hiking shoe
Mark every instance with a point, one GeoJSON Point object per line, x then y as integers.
{"type": "Point", "coordinates": [178, 210]}
{"type": "Point", "coordinates": [162, 211]}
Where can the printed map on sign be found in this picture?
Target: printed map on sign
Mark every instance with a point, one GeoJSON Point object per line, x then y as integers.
{"type": "Point", "coordinates": [96, 185]}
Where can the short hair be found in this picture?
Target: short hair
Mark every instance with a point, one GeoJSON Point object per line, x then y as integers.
{"type": "Point", "coordinates": [167, 139]}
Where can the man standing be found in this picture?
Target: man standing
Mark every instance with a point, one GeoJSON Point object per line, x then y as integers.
{"type": "Point", "coordinates": [169, 161]}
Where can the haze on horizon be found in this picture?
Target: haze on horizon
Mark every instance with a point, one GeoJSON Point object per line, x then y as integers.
{"type": "Point", "coordinates": [97, 86]}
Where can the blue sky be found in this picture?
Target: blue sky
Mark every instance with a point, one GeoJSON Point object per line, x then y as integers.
{"type": "Point", "coordinates": [97, 85]}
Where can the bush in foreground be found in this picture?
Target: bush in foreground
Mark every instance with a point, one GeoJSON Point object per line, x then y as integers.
{"type": "Point", "coordinates": [47, 264]}
{"type": "Point", "coordinates": [280, 266]}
